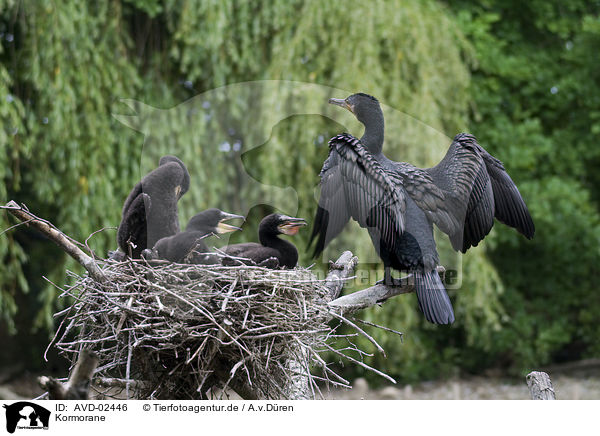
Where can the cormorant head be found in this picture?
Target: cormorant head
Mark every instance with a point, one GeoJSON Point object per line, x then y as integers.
{"type": "Point", "coordinates": [212, 221]}
{"type": "Point", "coordinates": [185, 183]}
{"type": "Point", "coordinates": [277, 223]}
{"type": "Point", "coordinates": [365, 107]}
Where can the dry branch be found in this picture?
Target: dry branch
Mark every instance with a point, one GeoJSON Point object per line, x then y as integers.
{"type": "Point", "coordinates": [339, 272]}
{"type": "Point", "coordinates": [55, 235]}
{"type": "Point", "coordinates": [368, 297]}
{"type": "Point", "coordinates": [77, 388]}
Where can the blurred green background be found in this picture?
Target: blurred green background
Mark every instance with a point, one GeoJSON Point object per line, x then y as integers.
{"type": "Point", "coordinates": [522, 77]}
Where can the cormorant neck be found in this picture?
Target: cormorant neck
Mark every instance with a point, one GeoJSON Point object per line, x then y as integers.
{"type": "Point", "coordinates": [205, 229]}
{"type": "Point", "coordinates": [374, 128]}
{"type": "Point", "coordinates": [287, 249]}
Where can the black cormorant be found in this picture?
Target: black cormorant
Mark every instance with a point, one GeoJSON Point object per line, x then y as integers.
{"type": "Point", "coordinates": [272, 252]}
{"type": "Point", "coordinates": [150, 210]}
{"type": "Point", "coordinates": [398, 202]}
{"type": "Point", "coordinates": [187, 246]}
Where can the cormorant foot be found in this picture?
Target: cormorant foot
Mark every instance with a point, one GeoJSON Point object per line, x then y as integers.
{"type": "Point", "coordinates": [391, 281]}
{"type": "Point", "coordinates": [271, 263]}
{"type": "Point", "coordinates": [442, 273]}
{"type": "Point", "coordinates": [116, 255]}
{"type": "Point", "coordinates": [149, 254]}
{"type": "Point", "coordinates": [230, 261]}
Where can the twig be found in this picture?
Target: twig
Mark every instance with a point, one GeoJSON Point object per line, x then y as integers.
{"type": "Point", "coordinates": [111, 382]}
{"type": "Point", "coordinates": [359, 330]}
{"type": "Point", "coordinates": [387, 329]}
{"type": "Point", "coordinates": [358, 362]}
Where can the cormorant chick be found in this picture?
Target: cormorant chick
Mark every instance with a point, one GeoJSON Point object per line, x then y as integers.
{"type": "Point", "coordinates": [188, 246]}
{"type": "Point", "coordinates": [272, 252]}
{"type": "Point", "coordinates": [150, 210]}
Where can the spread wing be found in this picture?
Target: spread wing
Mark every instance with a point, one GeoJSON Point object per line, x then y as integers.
{"type": "Point", "coordinates": [355, 185]}
{"type": "Point", "coordinates": [465, 192]}
{"type": "Point", "coordinates": [509, 205]}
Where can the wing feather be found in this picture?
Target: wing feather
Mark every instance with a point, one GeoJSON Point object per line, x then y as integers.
{"type": "Point", "coordinates": [466, 191]}
{"type": "Point", "coordinates": [355, 185]}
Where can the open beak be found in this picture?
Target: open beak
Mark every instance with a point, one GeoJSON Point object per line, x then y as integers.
{"type": "Point", "coordinates": [341, 102]}
{"type": "Point", "coordinates": [291, 225]}
{"type": "Point", "coordinates": [223, 227]}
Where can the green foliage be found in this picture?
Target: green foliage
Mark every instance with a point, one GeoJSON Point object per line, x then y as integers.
{"type": "Point", "coordinates": [536, 96]}
{"type": "Point", "coordinates": [58, 141]}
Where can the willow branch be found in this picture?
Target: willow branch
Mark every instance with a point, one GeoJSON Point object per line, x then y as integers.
{"type": "Point", "coordinates": [58, 237]}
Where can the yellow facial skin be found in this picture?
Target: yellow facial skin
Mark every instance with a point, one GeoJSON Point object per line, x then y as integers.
{"type": "Point", "coordinates": [226, 228]}
{"type": "Point", "coordinates": [290, 228]}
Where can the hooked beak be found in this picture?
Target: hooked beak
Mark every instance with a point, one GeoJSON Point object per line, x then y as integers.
{"type": "Point", "coordinates": [341, 102]}
{"type": "Point", "coordinates": [291, 225]}
{"type": "Point", "coordinates": [222, 227]}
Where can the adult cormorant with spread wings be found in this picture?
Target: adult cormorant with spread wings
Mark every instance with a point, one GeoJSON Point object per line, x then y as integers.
{"type": "Point", "coordinates": [398, 202]}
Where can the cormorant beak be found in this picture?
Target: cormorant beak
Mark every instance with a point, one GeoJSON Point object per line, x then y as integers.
{"type": "Point", "coordinates": [178, 191]}
{"type": "Point", "coordinates": [222, 227]}
{"type": "Point", "coordinates": [341, 102]}
{"type": "Point", "coordinates": [291, 225]}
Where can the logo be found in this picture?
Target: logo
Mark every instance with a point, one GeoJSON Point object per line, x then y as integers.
{"type": "Point", "coordinates": [26, 415]}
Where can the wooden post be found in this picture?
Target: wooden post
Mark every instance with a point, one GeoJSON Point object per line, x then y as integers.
{"type": "Point", "coordinates": [540, 386]}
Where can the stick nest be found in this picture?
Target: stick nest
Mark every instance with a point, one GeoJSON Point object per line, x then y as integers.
{"type": "Point", "coordinates": [173, 331]}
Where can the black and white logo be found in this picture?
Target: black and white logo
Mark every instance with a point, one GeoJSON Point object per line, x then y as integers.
{"type": "Point", "coordinates": [26, 415]}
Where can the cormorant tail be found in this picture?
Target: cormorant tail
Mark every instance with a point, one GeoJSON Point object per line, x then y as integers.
{"type": "Point", "coordinates": [433, 299]}
{"type": "Point", "coordinates": [319, 231]}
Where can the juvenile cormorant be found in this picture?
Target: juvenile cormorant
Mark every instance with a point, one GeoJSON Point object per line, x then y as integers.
{"type": "Point", "coordinates": [187, 246]}
{"type": "Point", "coordinates": [272, 252]}
{"type": "Point", "coordinates": [150, 210]}
{"type": "Point", "coordinates": [398, 202]}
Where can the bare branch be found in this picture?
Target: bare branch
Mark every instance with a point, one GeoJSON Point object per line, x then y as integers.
{"type": "Point", "coordinates": [368, 297]}
{"type": "Point", "coordinates": [339, 272]}
{"type": "Point", "coordinates": [58, 237]}
{"type": "Point", "coordinates": [111, 382]}
{"type": "Point", "coordinates": [77, 388]}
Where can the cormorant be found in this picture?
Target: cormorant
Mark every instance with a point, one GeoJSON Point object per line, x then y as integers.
{"type": "Point", "coordinates": [187, 246]}
{"type": "Point", "coordinates": [150, 210]}
{"type": "Point", "coordinates": [272, 252]}
{"type": "Point", "coordinates": [398, 202]}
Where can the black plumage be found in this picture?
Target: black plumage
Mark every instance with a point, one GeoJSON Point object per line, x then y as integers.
{"type": "Point", "coordinates": [272, 252]}
{"type": "Point", "coordinates": [189, 246]}
{"type": "Point", "coordinates": [150, 210]}
{"type": "Point", "coordinates": [398, 202]}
